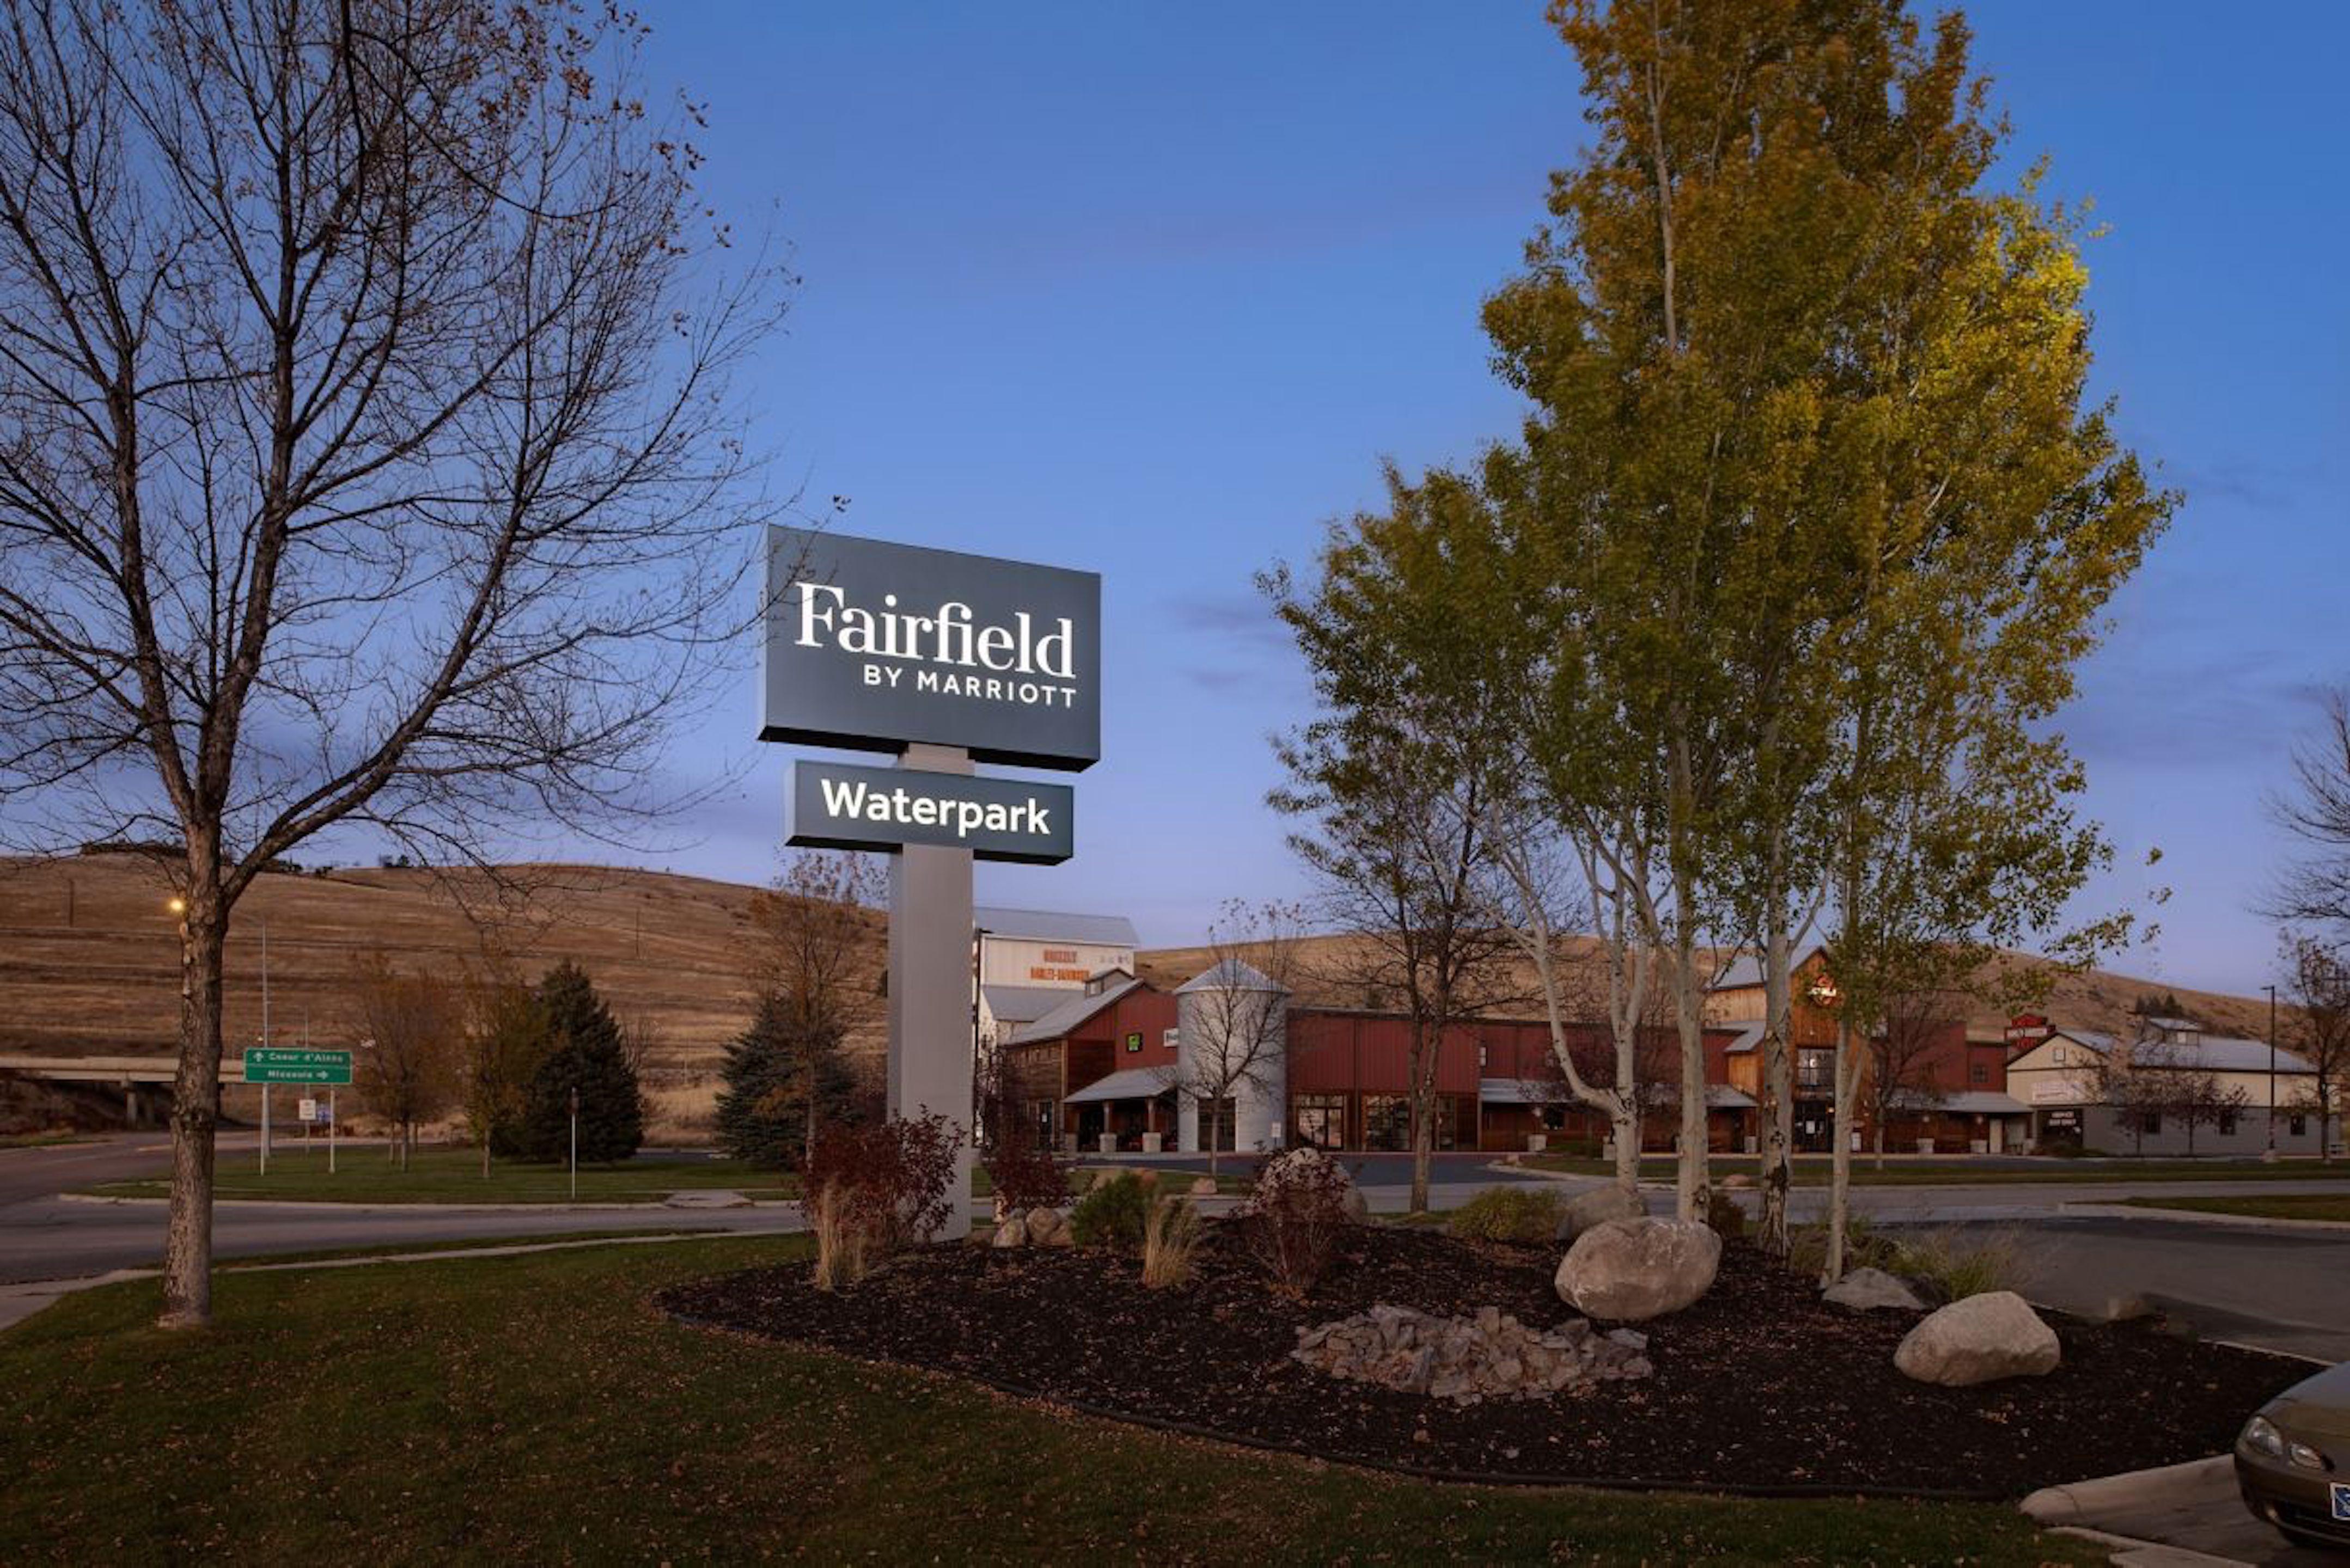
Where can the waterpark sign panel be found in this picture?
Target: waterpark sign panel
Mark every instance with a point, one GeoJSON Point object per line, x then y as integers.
{"type": "Point", "coordinates": [871, 646]}
{"type": "Point", "coordinates": [838, 806]}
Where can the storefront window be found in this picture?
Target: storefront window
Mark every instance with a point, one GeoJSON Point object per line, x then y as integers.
{"type": "Point", "coordinates": [1387, 1122]}
{"type": "Point", "coordinates": [1320, 1120]}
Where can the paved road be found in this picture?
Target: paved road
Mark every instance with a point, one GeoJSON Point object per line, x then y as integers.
{"type": "Point", "coordinates": [45, 1237]}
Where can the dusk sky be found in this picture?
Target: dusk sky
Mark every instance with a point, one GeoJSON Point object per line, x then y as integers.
{"type": "Point", "coordinates": [1152, 290]}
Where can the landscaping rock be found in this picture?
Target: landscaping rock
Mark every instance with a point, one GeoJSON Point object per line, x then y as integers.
{"type": "Point", "coordinates": [1047, 1227]}
{"type": "Point", "coordinates": [1203, 1187]}
{"type": "Point", "coordinates": [1489, 1355]}
{"type": "Point", "coordinates": [1630, 1270]}
{"type": "Point", "coordinates": [1981, 1339]}
{"type": "Point", "coordinates": [1737, 1179]}
{"type": "Point", "coordinates": [1597, 1206]}
{"type": "Point", "coordinates": [1012, 1231]}
{"type": "Point", "coordinates": [1865, 1290]}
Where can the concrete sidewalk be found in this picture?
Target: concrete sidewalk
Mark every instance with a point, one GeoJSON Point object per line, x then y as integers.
{"type": "Point", "coordinates": [2177, 1516]}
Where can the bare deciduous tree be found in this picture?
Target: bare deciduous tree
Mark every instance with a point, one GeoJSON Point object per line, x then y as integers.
{"type": "Point", "coordinates": [412, 1026]}
{"type": "Point", "coordinates": [1239, 1026]}
{"type": "Point", "coordinates": [368, 457]}
{"type": "Point", "coordinates": [2318, 980]}
{"type": "Point", "coordinates": [1901, 1061]}
{"type": "Point", "coordinates": [2315, 890]}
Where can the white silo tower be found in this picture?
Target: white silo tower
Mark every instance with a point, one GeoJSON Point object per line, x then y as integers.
{"type": "Point", "coordinates": [1232, 1025]}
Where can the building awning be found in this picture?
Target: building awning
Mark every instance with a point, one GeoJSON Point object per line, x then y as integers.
{"type": "Point", "coordinates": [1522, 1092]}
{"type": "Point", "coordinates": [1127, 1084]}
{"type": "Point", "coordinates": [1979, 1103]}
{"type": "Point", "coordinates": [1554, 1092]}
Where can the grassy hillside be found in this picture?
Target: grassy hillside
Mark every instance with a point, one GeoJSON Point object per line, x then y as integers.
{"type": "Point", "coordinates": [89, 960]}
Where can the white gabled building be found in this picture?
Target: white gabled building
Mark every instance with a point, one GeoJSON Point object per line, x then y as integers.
{"type": "Point", "coordinates": [2067, 1085]}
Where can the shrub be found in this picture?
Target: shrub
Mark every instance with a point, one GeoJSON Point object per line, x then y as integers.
{"type": "Point", "coordinates": [1723, 1215]}
{"type": "Point", "coordinates": [1025, 1176]}
{"type": "Point", "coordinates": [875, 1188]}
{"type": "Point", "coordinates": [1113, 1214]}
{"type": "Point", "coordinates": [1528, 1216]}
{"type": "Point", "coordinates": [1171, 1234]}
{"type": "Point", "coordinates": [1296, 1216]}
{"type": "Point", "coordinates": [1807, 1247]}
{"type": "Point", "coordinates": [1960, 1263]}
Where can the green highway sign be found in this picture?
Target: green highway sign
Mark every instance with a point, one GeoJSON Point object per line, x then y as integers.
{"type": "Point", "coordinates": [273, 1064]}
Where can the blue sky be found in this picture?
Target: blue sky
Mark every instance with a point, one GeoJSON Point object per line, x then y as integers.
{"type": "Point", "coordinates": [1152, 290]}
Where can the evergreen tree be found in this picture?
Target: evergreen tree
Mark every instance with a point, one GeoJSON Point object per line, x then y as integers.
{"type": "Point", "coordinates": [772, 1071]}
{"type": "Point", "coordinates": [584, 1053]}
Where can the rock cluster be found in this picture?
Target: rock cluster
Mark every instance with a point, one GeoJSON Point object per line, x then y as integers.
{"type": "Point", "coordinates": [1492, 1356]}
{"type": "Point", "coordinates": [1037, 1227]}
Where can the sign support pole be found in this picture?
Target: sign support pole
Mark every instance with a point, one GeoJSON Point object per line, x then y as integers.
{"type": "Point", "coordinates": [930, 986]}
{"type": "Point", "coordinates": [331, 1120]}
{"type": "Point", "coordinates": [265, 1129]}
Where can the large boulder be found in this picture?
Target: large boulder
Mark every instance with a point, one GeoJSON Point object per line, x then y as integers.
{"type": "Point", "coordinates": [1597, 1206]}
{"type": "Point", "coordinates": [1012, 1231]}
{"type": "Point", "coordinates": [1047, 1227]}
{"type": "Point", "coordinates": [1630, 1270]}
{"type": "Point", "coordinates": [1980, 1339]}
{"type": "Point", "coordinates": [1865, 1290]}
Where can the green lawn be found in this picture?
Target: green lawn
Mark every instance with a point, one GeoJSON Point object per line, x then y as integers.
{"type": "Point", "coordinates": [42, 1140]}
{"type": "Point", "coordinates": [364, 1174]}
{"type": "Point", "coordinates": [2276, 1206]}
{"type": "Point", "coordinates": [534, 1409]}
{"type": "Point", "coordinates": [1812, 1171]}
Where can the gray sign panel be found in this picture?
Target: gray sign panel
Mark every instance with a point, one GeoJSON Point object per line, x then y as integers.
{"type": "Point", "coordinates": [838, 806]}
{"type": "Point", "coordinates": [871, 646]}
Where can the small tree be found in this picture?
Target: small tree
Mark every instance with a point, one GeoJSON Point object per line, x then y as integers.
{"type": "Point", "coordinates": [410, 1025]}
{"type": "Point", "coordinates": [585, 1058]}
{"type": "Point", "coordinates": [1901, 1061]}
{"type": "Point", "coordinates": [2198, 1098]}
{"type": "Point", "coordinates": [2319, 983]}
{"type": "Point", "coordinates": [2128, 1078]}
{"type": "Point", "coordinates": [1239, 1026]}
{"type": "Point", "coordinates": [505, 1040]}
{"type": "Point", "coordinates": [779, 1082]}
{"type": "Point", "coordinates": [815, 955]}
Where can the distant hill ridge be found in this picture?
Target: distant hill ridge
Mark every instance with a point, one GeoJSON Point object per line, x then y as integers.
{"type": "Point", "coordinates": [89, 965]}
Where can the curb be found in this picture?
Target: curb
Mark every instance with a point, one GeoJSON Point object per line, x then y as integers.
{"type": "Point", "coordinates": [2073, 1500]}
{"type": "Point", "coordinates": [2104, 1211]}
{"type": "Point", "coordinates": [2129, 1552]}
{"type": "Point", "coordinates": [304, 1205]}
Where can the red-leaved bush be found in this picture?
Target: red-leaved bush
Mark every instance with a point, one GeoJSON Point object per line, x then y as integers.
{"type": "Point", "coordinates": [1296, 1216]}
{"type": "Point", "coordinates": [1023, 1175]}
{"type": "Point", "coordinates": [874, 1188]}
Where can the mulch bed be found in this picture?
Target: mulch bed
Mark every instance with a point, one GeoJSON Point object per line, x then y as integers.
{"type": "Point", "coordinates": [1760, 1386]}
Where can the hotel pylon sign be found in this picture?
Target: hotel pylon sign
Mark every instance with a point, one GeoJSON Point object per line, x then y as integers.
{"type": "Point", "coordinates": [941, 659]}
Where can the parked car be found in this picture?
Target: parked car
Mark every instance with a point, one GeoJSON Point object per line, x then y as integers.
{"type": "Point", "coordinates": [2292, 1460]}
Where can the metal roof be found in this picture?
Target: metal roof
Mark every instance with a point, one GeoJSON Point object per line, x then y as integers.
{"type": "Point", "coordinates": [1126, 1084]}
{"type": "Point", "coordinates": [1046, 925]}
{"type": "Point", "coordinates": [1981, 1103]}
{"type": "Point", "coordinates": [1554, 1092]}
{"type": "Point", "coordinates": [1024, 1004]}
{"type": "Point", "coordinates": [1080, 1006]}
{"type": "Point", "coordinates": [1231, 974]}
{"type": "Point", "coordinates": [2212, 1053]}
{"type": "Point", "coordinates": [1750, 1036]}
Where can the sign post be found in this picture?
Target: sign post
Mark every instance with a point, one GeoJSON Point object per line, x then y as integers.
{"type": "Point", "coordinates": [268, 1065]}
{"type": "Point", "coordinates": [943, 659]}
